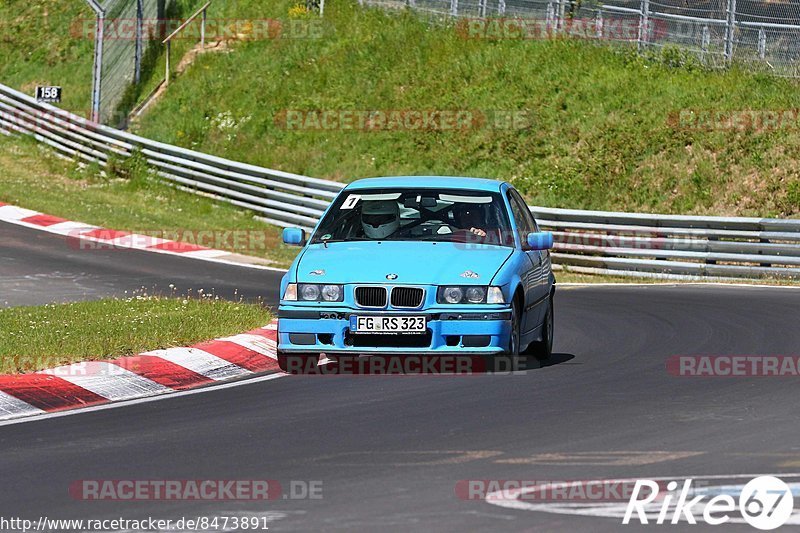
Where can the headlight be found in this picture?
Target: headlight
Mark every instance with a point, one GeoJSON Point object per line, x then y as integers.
{"type": "Point", "coordinates": [331, 293]}
{"type": "Point", "coordinates": [309, 292]}
{"type": "Point", "coordinates": [476, 295]}
{"type": "Point", "coordinates": [313, 292]}
{"type": "Point", "coordinates": [291, 292]}
{"type": "Point", "coordinates": [453, 295]}
{"type": "Point", "coordinates": [471, 294]}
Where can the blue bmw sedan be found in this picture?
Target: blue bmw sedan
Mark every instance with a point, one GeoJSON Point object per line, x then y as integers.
{"type": "Point", "coordinates": [419, 265]}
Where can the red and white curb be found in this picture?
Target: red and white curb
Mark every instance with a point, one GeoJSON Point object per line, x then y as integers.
{"type": "Point", "coordinates": [152, 373]}
{"type": "Point", "coordinates": [115, 239]}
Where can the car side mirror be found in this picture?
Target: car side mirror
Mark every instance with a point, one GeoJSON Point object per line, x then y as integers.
{"type": "Point", "coordinates": [294, 236]}
{"type": "Point", "coordinates": [542, 240]}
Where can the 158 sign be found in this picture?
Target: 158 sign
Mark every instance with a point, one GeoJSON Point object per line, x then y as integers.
{"type": "Point", "coordinates": [48, 94]}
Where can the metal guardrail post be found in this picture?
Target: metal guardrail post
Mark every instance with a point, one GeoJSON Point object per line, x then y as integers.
{"type": "Point", "coordinates": [730, 30]}
{"type": "Point", "coordinates": [139, 41]}
{"type": "Point", "coordinates": [644, 24]}
{"type": "Point", "coordinates": [705, 41]}
{"type": "Point", "coordinates": [598, 24]}
{"type": "Point", "coordinates": [203, 29]}
{"type": "Point", "coordinates": [166, 74]}
{"type": "Point", "coordinates": [97, 67]}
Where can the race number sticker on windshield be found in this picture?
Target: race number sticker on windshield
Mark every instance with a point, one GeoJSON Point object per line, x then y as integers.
{"type": "Point", "coordinates": [351, 201]}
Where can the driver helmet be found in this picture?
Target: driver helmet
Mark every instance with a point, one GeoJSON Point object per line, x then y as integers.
{"type": "Point", "coordinates": [380, 218]}
{"type": "Point", "coordinates": [469, 215]}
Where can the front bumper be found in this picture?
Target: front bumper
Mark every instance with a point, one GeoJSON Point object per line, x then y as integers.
{"type": "Point", "coordinates": [473, 330]}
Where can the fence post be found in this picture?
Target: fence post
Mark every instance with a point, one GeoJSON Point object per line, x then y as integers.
{"type": "Point", "coordinates": [762, 44]}
{"type": "Point", "coordinates": [139, 41]}
{"type": "Point", "coordinates": [454, 8]}
{"type": "Point", "coordinates": [705, 40]}
{"type": "Point", "coordinates": [166, 75]}
{"type": "Point", "coordinates": [730, 29]}
{"type": "Point", "coordinates": [644, 24]}
{"type": "Point", "coordinates": [598, 25]}
{"type": "Point", "coordinates": [98, 68]}
{"type": "Point", "coordinates": [203, 30]}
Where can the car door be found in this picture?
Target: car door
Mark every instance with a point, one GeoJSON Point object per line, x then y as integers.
{"type": "Point", "coordinates": [534, 280]}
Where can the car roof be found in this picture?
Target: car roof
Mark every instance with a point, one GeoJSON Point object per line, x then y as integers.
{"type": "Point", "coordinates": [428, 182]}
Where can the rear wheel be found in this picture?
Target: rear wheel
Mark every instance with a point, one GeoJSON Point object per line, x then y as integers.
{"type": "Point", "coordinates": [543, 349]}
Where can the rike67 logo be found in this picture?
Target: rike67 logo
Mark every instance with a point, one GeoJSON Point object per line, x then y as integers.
{"type": "Point", "coordinates": [765, 503]}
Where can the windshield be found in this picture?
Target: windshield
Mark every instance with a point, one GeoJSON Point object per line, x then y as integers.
{"type": "Point", "coordinates": [444, 215]}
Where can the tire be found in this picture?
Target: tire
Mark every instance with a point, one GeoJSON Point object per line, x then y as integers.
{"type": "Point", "coordinates": [510, 358]}
{"type": "Point", "coordinates": [297, 363]}
{"type": "Point", "coordinates": [513, 340]}
{"type": "Point", "coordinates": [543, 349]}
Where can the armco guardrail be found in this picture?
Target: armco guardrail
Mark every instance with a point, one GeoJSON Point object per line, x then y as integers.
{"type": "Point", "coordinates": [676, 245]}
{"type": "Point", "coordinates": [279, 197]}
{"type": "Point", "coordinates": [588, 241]}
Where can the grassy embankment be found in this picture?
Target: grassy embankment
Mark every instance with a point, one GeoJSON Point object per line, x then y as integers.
{"type": "Point", "coordinates": [34, 338]}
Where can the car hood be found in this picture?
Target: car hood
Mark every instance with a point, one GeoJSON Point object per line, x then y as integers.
{"type": "Point", "coordinates": [421, 263]}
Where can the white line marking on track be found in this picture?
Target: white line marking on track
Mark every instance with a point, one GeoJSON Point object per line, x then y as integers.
{"type": "Point", "coordinates": [510, 498]}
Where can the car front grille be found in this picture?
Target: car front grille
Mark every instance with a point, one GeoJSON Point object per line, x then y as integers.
{"type": "Point", "coordinates": [407, 296]}
{"type": "Point", "coordinates": [381, 340]}
{"type": "Point", "coordinates": [371, 296]}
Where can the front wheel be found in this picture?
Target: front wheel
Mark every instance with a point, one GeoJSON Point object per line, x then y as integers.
{"type": "Point", "coordinates": [543, 349]}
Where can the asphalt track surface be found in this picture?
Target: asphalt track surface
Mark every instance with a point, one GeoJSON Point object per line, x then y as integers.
{"type": "Point", "coordinates": [389, 450]}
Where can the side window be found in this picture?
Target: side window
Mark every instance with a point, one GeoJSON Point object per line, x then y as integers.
{"type": "Point", "coordinates": [522, 217]}
{"type": "Point", "coordinates": [526, 212]}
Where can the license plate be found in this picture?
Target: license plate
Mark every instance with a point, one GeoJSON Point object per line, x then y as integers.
{"type": "Point", "coordinates": [387, 324]}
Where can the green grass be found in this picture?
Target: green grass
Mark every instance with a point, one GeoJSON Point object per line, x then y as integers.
{"type": "Point", "coordinates": [34, 338]}
{"type": "Point", "coordinates": [45, 43]}
{"type": "Point", "coordinates": [601, 135]}
{"type": "Point", "coordinates": [124, 198]}
{"type": "Point", "coordinates": [37, 48]}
